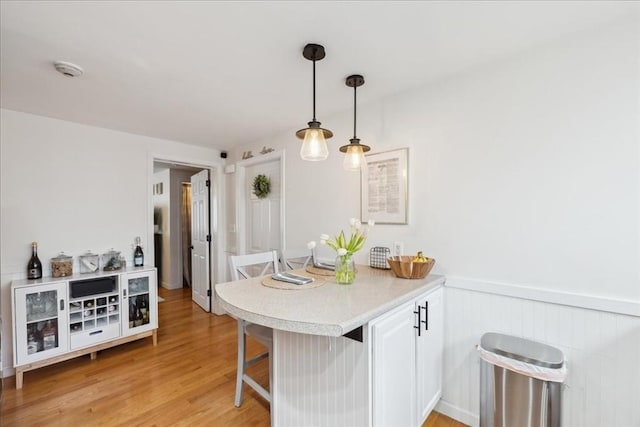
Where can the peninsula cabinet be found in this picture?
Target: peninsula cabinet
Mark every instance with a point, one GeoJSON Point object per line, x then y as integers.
{"type": "Point", "coordinates": [56, 319]}
{"type": "Point", "coordinates": [407, 361]}
{"type": "Point", "coordinates": [367, 354]}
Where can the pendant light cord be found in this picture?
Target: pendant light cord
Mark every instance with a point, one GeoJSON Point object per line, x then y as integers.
{"type": "Point", "coordinates": [314, 85]}
{"type": "Point", "coordinates": [354, 112]}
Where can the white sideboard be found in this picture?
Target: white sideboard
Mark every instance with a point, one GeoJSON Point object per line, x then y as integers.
{"type": "Point", "coordinates": [56, 319]}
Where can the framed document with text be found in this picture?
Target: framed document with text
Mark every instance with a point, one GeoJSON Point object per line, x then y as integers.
{"type": "Point", "coordinates": [383, 187]}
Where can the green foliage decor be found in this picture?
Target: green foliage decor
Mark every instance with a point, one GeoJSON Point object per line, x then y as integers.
{"type": "Point", "coordinates": [261, 186]}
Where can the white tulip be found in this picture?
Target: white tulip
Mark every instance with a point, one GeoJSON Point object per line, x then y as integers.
{"type": "Point", "coordinates": [311, 245]}
{"type": "Point", "coordinates": [342, 251]}
{"type": "Point", "coordinates": [371, 223]}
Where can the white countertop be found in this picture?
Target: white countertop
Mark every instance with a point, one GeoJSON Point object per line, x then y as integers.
{"type": "Point", "coordinates": [331, 309]}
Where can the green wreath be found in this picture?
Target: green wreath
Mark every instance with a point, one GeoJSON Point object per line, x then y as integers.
{"type": "Point", "coordinates": [261, 186]}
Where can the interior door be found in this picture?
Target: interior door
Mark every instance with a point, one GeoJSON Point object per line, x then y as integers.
{"type": "Point", "coordinates": [200, 240]}
{"type": "Point", "coordinates": [263, 215]}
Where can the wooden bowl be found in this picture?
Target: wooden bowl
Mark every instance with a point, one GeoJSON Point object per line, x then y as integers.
{"type": "Point", "coordinates": [405, 268]}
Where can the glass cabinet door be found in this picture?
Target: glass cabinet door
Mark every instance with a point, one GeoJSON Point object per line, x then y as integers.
{"type": "Point", "coordinates": [141, 313]}
{"type": "Point", "coordinates": [40, 322]}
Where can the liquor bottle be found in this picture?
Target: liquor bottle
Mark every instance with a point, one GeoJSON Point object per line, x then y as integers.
{"type": "Point", "coordinates": [34, 267]}
{"type": "Point", "coordinates": [138, 255]}
{"type": "Point", "coordinates": [32, 344]}
{"type": "Point", "coordinates": [49, 333]}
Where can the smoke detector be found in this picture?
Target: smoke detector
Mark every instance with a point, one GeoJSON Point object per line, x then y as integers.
{"type": "Point", "coordinates": [68, 69]}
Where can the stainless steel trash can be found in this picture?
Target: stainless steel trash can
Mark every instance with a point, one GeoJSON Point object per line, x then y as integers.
{"type": "Point", "coordinates": [517, 397]}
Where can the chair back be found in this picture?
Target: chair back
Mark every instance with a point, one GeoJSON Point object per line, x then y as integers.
{"type": "Point", "coordinates": [294, 259]}
{"type": "Point", "coordinates": [253, 265]}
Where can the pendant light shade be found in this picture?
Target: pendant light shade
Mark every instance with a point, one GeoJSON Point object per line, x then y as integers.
{"type": "Point", "coordinates": [314, 145]}
{"type": "Point", "coordinates": [354, 151]}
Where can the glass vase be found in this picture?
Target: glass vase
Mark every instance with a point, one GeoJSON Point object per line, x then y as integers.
{"type": "Point", "coordinates": [345, 269]}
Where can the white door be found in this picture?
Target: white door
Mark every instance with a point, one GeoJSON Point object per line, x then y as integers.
{"type": "Point", "coordinates": [263, 215]}
{"type": "Point", "coordinates": [200, 240]}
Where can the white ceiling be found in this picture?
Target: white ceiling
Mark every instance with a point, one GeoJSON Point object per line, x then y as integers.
{"type": "Point", "coordinates": [223, 73]}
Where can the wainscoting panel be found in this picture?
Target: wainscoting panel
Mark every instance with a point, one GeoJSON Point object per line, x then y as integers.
{"type": "Point", "coordinates": [326, 379]}
{"type": "Point", "coordinates": [602, 351]}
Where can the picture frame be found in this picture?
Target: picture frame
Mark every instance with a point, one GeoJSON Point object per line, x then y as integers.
{"type": "Point", "coordinates": [384, 187]}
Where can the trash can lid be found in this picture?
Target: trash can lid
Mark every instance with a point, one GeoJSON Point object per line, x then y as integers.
{"type": "Point", "coordinates": [523, 350]}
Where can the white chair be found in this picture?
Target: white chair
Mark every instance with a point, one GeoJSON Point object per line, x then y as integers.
{"type": "Point", "coordinates": [243, 267]}
{"type": "Point", "coordinates": [292, 259]}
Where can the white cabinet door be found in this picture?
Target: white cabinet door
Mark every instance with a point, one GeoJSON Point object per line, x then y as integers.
{"type": "Point", "coordinates": [139, 302]}
{"type": "Point", "coordinates": [393, 368]}
{"type": "Point", "coordinates": [40, 322]}
{"type": "Point", "coordinates": [429, 350]}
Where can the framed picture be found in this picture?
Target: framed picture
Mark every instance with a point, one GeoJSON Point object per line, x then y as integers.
{"type": "Point", "coordinates": [383, 187]}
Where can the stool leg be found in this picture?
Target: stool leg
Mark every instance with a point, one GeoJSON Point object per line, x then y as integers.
{"type": "Point", "coordinates": [242, 341]}
{"type": "Point", "coordinates": [271, 388]}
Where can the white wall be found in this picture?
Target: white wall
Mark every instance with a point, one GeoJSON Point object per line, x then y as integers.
{"type": "Point", "coordinates": [524, 171]}
{"type": "Point", "coordinates": [73, 187]}
{"type": "Point", "coordinates": [524, 176]}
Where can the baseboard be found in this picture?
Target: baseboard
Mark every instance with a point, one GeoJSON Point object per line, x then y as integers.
{"type": "Point", "coordinates": [170, 286]}
{"type": "Point", "coordinates": [8, 372]}
{"type": "Point", "coordinates": [458, 414]}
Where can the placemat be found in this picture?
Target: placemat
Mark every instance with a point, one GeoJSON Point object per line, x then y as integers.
{"type": "Point", "coordinates": [276, 284]}
{"type": "Point", "coordinates": [319, 271]}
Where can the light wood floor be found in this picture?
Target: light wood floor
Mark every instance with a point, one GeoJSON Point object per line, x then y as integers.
{"type": "Point", "coordinates": [188, 379]}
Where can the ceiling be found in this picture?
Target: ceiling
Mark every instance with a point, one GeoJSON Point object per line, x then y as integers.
{"type": "Point", "coordinates": [219, 74]}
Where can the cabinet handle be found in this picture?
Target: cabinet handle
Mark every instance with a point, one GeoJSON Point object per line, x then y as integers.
{"type": "Point", "coordinates": [124, 293]}
{"type": "Point", "coordinates": [96, 332]}
{"type": "Point", "coordinates": [61, 305]}
{"type": "Point", "coordinates": [426, 315]}
{"type": "Point", "coordinates": [419, 321]}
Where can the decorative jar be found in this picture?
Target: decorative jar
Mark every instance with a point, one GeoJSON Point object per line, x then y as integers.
{"type": "Point", "coordinates": [88, 263]}
{"type": "Point", "coordinates": [62, 265]}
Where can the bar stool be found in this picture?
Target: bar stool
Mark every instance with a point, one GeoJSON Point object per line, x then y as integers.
{"type": "Point", "coordinates": [239, 264]}
{"type": "Point", "coordinates": [294, 259]}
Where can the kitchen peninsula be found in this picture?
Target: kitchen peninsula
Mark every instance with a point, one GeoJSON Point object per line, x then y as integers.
{"type": "Point", "coordinates": [369, 377]}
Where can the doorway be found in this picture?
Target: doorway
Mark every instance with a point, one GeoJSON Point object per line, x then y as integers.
{"type": "Point", "coordinates": [182, 228]}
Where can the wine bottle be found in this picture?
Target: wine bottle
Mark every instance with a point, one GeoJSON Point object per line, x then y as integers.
{"type": "Point", "coordinates": [34, 267]}
{"type": "Point", "coordinates": [138, 255]}
{"type": "Point", "coordinates": [138, 319]}
{"type": "Point", "coordinates": [132, 312]}
{"type": "Point", "coordinates": [144, 310]}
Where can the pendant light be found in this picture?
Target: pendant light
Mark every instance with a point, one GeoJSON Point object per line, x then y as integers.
{"type": "Point", "coordinates": [314, 146]}
{"type": "Point", "coordinates": [354, 158]}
